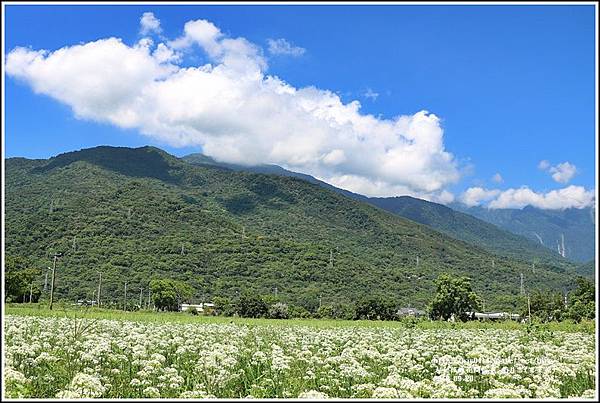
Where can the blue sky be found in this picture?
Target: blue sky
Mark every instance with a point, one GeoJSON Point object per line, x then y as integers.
{"type": "Point", "coordinates": [511, 85]}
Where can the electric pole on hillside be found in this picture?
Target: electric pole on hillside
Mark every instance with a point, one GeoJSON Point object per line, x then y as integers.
{"type": "Point", "coordinates": [522, 285]}
{"type": "Point", "coordinates": [99, 288]}
{"type": "Point", "coordinates": [56, 256]}
{"type": "Point", "coordinates": [125, 299]}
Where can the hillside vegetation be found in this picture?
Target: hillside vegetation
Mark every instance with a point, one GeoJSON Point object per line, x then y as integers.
{"type": "Point", "coordinates": [441, 218]}
{"type": "Point", "coordinates": [137, 214]}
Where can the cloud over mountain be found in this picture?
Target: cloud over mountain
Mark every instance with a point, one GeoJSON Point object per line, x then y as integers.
{"type": "Point", "coordinates": [568, 197]}
{"type": "Point", "coordinates": [237, 112]}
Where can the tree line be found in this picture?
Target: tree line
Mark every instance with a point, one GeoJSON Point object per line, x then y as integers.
{"type": "Point", "coordinates": [454, 299]}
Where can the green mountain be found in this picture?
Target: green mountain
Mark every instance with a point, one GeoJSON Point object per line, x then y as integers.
{"type": "Point", "coordinates": [439, 217]}
{"type": "Point", "coordinates": [546, 227]}
{"type": "Point", "coordinates": [136, 214]}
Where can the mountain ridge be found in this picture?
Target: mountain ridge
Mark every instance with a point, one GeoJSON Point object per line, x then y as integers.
{"type": "Point", "coordinates": [466, 227]}
{"type": "Point", "coordinates": [225, 231]}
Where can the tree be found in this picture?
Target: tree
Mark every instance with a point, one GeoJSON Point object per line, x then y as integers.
{"type": "Point", "coordinates": [376, 308]}
{"type": "Point", "coordinates": [168, 294]}
{"type": "Point", "coordinates": [582, 303]}
{"type": "Point", "coordinates": [544, 306]}
{"type": "Point", "coordinates": [223, 306]}
{"type": "Point", "coordinates": [279, 310]}
{"type": "Point", "coordinates": [251, 305]}
{"type": "Point", "coordinates": [454, 296]}
{"type": "Point", "coordinates": [18, 278]}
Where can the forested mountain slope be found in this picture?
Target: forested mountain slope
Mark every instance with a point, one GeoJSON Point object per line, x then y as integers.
{"type": "Point", "coordinates": [439, 217]}
{"type": "Point", "coordinates": [136, 214]}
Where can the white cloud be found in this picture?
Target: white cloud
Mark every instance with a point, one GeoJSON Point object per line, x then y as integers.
{"type": "Point", "coordinates": [569, 197]}
{"type": "Point", "coordinates": [476, 195]}
{"type": "Point", "coordinates": [563, 172]}
{"type": "Point", "coordinates": [497, 178]}
{"type": "Point", "coordinates": [149, 24]}
{"type": "Point", "coordinates": [283, 47]}
{"type": "Point", "coordinates": [543, 165]}
{"type": "Point", "coordinates": [239, 114]}
{"type": "Point", "coordinates": [372, 95]}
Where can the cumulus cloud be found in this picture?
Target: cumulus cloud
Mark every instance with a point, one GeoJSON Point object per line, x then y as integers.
{"type": "Point", "coordinates": [568, 197]}
{"type": "Point", "coordinates": [282, 47]}
{"type": "Point", "coordinates": [149, 24]}
{"type": "Point", "coordinates": [497, 178]}
{"type": "Point", "coordinates": [563, 172]}
{"type": "Point", "coordinates": [239, 114]}
{"type": "Point", "coordinates": [476, 195]}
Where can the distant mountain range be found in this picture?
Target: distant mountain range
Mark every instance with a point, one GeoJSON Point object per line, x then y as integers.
{"type": "Point", "coordinates": [574, 227]}
{"type": "Point", "coordinates": [136, 214]}
{"type": "Point", "coordinates": [501, 236]}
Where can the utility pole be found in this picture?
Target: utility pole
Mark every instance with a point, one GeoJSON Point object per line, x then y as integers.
{"type": "Point", "coordinates": [522, 286]}
{"type": "Point", "coordinates": [56, 255]}
{"type": "Point", "coordinates": [125, 299]}
{"type": "Point", "coordinates": [99, 288]}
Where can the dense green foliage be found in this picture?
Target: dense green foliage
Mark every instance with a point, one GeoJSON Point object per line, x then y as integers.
{"type": "Point", "coordinates": [577, 226]}
{"type": "Point", "coordinates": [454, 297]}
{"type": "Point", "coordinates": [376, 308]}
{"type": "Point", "coordinates": [552, 306]}
{"type": "Point", "coordinates": [168, 294]}
{"type": "Point", "coordinates": [19, 280]}
{"type": "Point", "coordinates": [582, 301]}
{"type": "Point", "coordinates": [251, 305]}
{"type": "Point", "coordinates": [139, 214]}
{"type": "Point", "coordinates": [439, 217]}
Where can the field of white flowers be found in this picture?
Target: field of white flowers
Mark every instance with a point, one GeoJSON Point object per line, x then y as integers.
{"type": "Point", "coordinates": [75, 358]}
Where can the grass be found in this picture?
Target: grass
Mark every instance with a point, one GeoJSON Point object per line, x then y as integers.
{"type": "Point", "coordinates": [182, 317]}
